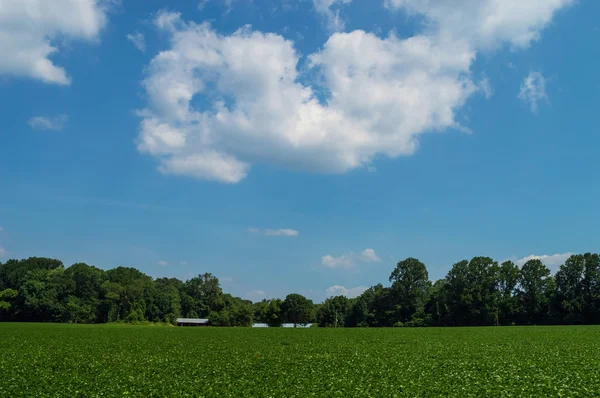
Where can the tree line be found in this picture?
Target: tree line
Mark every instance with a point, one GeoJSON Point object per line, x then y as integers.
{"type": "Point", "coordinates": [474, 293]}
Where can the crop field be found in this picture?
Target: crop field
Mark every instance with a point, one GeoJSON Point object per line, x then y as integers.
{"type": "Point", "coordinates": [146, 361]}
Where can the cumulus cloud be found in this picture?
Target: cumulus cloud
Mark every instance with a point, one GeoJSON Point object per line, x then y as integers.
{"type": "Point", "coordinates": [163, 263]}
{"type": "Point", "coordinates": [348, 292]}
{"type": "Point", "coordinates": [274, 232]}
{"type": "Point", "coordinates": [552, 261]}
{"type": "Point", "coordinates": [348, 260]}
{"type": "Point", "coordinates": [31, 32]}
{"type": "Point", "coordinates": [219, 103]}
{"type": "Point", "coordinates": [138, 40]}
{"type": "Point", "coordinates": [48, 122]}
{"type": "Point", "coordinates": [329, 9]}
{"type": "Point", "coordinates": [369, 256]}
{"type": "Point", "coordinates": [344, 261]}
{"type": "Point", "coordinates": [485, 24]}
{"type": "Point", "coordinates": [533, 90]}
{"type": "Point", "coordinates": [3, 252]}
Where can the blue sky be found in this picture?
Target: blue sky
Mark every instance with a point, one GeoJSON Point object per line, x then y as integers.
{"type": "Point", "coordinates": [301, 145]}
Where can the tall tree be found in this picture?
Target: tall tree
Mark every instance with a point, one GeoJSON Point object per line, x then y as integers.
{"type": "Point", "coordinates": [410, 286]}
{"type": "Point", "coordinates": [297, 309]}
{"type": "Point", "coordinates": [536, 288]}
{"type": "Point", "coordinates": [508, 281]}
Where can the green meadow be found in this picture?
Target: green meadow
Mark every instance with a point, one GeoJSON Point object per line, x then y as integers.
{"type": "Point", "coordinates": [60, 360]}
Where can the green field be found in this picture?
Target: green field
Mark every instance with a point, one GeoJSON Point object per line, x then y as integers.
{"type": "Point", "coordinates": [112, 360]}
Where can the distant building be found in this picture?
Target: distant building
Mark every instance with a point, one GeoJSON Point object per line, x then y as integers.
{"type": "Point", "coordinates": [192, 322]}
{"type": "Point", "coordinates": [297, 325]}
{"type": "Point", "coordinates": [260, 325]}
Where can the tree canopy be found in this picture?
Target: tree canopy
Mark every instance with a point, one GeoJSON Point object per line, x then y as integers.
{"type": "Point", "coordinates": [474, 292]}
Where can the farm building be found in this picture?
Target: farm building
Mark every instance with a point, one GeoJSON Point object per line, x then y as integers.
{"type": "Point", "coordinates": [192, 322]}
{"type": "Point", "coordinates": [283, 325]}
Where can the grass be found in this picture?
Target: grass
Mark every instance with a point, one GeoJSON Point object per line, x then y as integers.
{"type": "Point", "coordinates": [141, 361]}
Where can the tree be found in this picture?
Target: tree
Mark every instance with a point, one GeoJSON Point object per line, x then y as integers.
{"type": "Point", "coordinates": [410, 286]}
{"type": "Point", "coordinates": [297, 309]}
{"type": "Point", "coordinates": [472, 288]}
{"type": "Point", "coordinates": [333, 312]}
{"type": "Point", "coordinates": [206, 292]}
{"type": "Point", "coordinates": [508, 280]}
{"type": "Point", "coordinates": [536, 288]}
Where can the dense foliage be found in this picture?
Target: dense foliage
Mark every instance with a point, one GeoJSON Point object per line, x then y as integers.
{"type": "Point", "coordinates": [61, 360]}
{"type": "Point", "coordinates": [475, 292]}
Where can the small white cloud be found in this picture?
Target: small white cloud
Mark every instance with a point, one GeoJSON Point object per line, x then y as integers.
{"type": "Point", "coordinates": [163, 263]}
{"type": "Point", "coordinates": [345, 261]}
{"type": "Point", "coordinates": [512, 66]}
{"type": "Point", "coordinates": [486, 87]}
{"type": "Point", "coordinates": [1, 229]}
{"type": "Point", "coordinates": [274, 232]}
{"type": "Point", "coordinates": [348, 292]}
{"type": "Point", "coordinates": [183, 263]}
{"type": "Point", "coordinates": [48, 122]}
{"type": "Point", "coordinates": [3, 252]}
{"type": "Point", "coordinates": [552, 261]}
{"type": "Point", "coordinates": [281, 232]}
{"type": "Point", "coordinates": [533, 90]}
{"type": "Point", "coordinates": [138, 40]}
{"type": "Point", "coordinates": [369, 256]}
{"type": "Point", "coordinates": [256, 295]}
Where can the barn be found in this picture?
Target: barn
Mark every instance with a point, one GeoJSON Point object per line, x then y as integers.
{"type": "Point", "coordinates": [192, 322]}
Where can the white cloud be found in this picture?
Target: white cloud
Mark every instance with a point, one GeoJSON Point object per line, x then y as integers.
{"type": "Point", "coordinates": [183, 263]}
{"type": "Point", "coordinates": [344, 261]}
{"type": "Point", "coordinates": [256, 295]}
{"type": "Point", "coordinates": [342, 291]}
{"type": "Point", "coordinates": [486, 24]}
{"type": "Point", "coordinates": [533, 90]}
{"type": "Point", "coordinates": [3, 252]}
{"type": "Point", "coordinates": [138, 40]}
{"type": "Point", "coordinates": [1, 229]}
{"type": "Point", "coordinates": [163, 263]}
{"type": "Point", "coordinates": [369, 256]}
{"type": "Point", "coordinates": [281, 232]}
{"type": "Point", "coordinates": [219, 103]}
{"type": "Point", "coordinates": [486, 86]}
{"type": "Point", "coordinates": [48, 122]}
{"type": "Point", "coordinates": [326, 9]}
{"type": "Point", "coordinates": [31, 32]}
{"type": "Point", "coordinates": [274, 232]}
{"type": "Point", "coordinates": [551, 261]}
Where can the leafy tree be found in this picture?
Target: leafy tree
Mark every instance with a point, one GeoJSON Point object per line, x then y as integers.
{"type": "Point", "coordinates": [410, 287]}
{"type": "Point", "coordinates": [536, 288]}
{"type": "Point", "coordinates": [297, 309]}
{"type": "Point", "coordinates": [508, 281]}
{"type": "Point", "coordinates": [333, 312]}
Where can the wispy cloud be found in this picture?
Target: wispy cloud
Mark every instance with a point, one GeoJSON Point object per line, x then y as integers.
{"type": "Point", "coordinates": [44, 123]}
{"type": "Point", "coordinates": [163, 263]}
{"type": "Point", "coordinates": [3, 252]}
{"type": "Point", "coordinates": [486, 87]}
{"type": "Point", "coordinates": [274, 232]}
{"type": "Point", "coordinates": [533, 90]}
{"type": "Point", "coordinates": [138, 40]}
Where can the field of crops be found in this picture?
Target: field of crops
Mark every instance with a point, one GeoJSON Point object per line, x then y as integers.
{"type": "Point", "coordinates": [145, 361]}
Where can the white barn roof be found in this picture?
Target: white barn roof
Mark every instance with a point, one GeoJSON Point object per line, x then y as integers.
{"type": "Point", "coordinates": [192, 320]}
